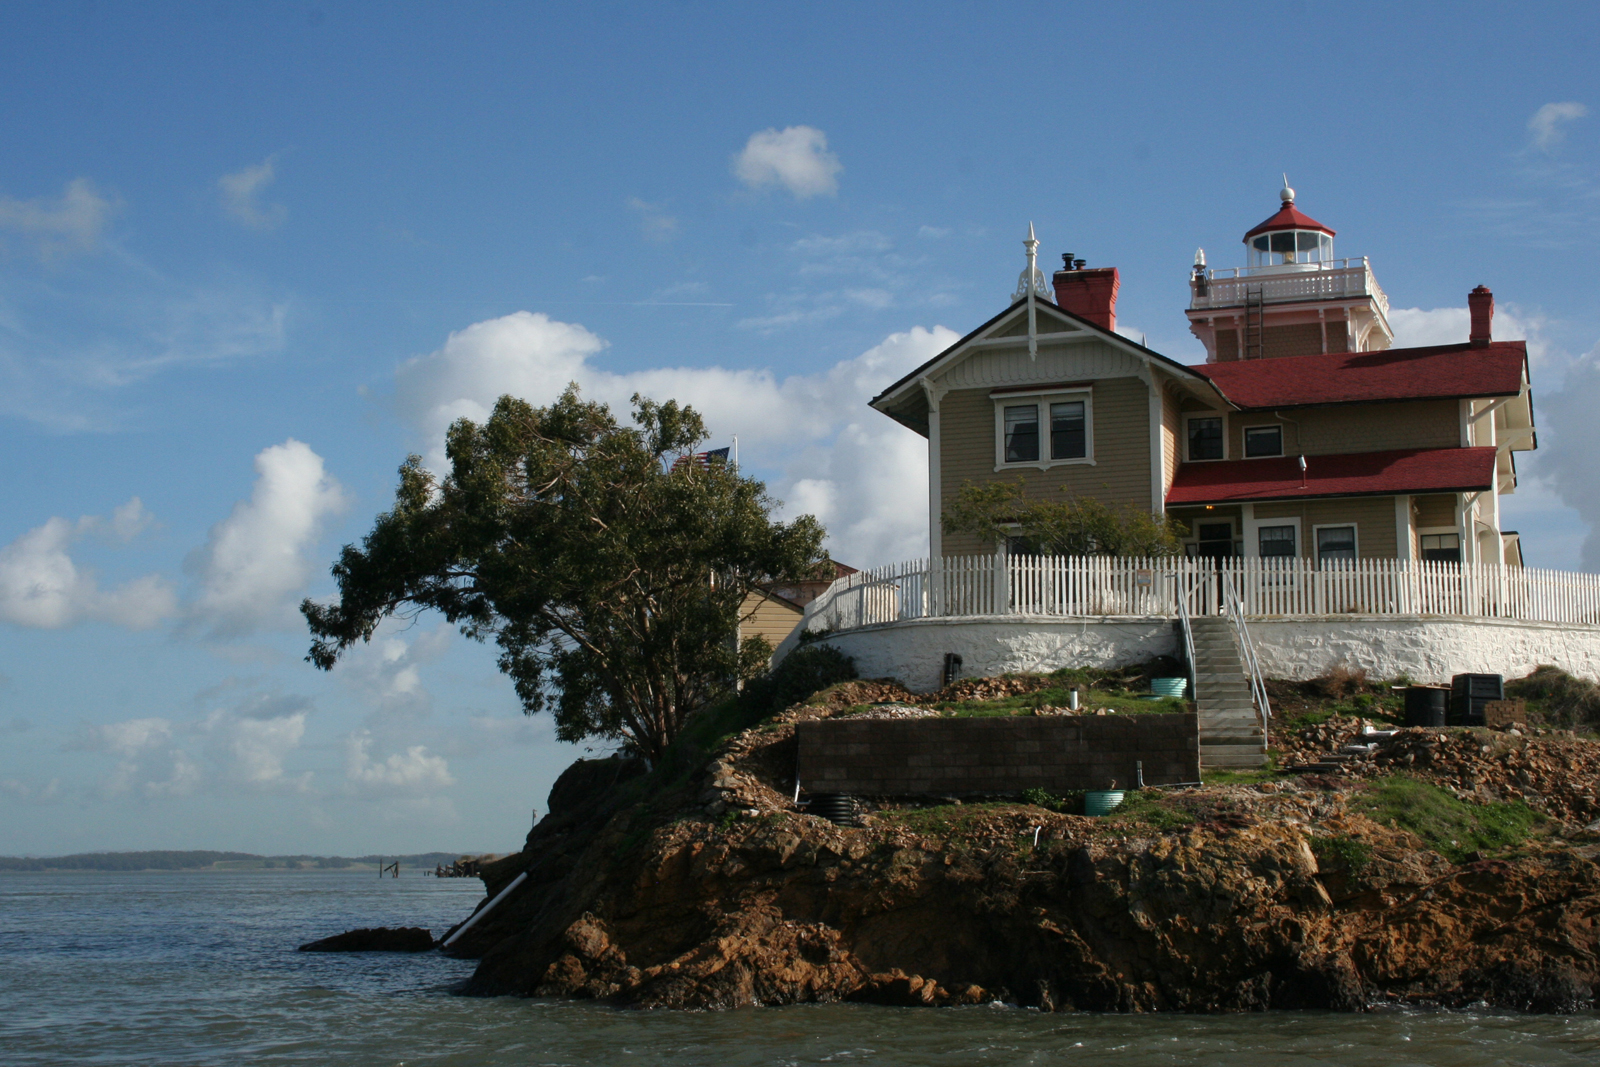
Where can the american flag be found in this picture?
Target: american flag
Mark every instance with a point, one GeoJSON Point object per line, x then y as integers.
{"type": "Point", "coordinates": [704, 459]}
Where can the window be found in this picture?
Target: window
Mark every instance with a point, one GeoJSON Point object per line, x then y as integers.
{"type": "Point", "coordinates": [1205, 438]}
{"type": "Point", "coordinates": [1067, 437]}
{"type": "Point", "coordinates": [1214, 540]}
{"type": "Point", "coordinates": [1043, 428]}
{"type": "Point", "coordinates": [1022, 434]}
{"type": "Point", "coordinates": [1263, 441]}
{"type": "Point", "coordinates": [1441, 548]}
{"type": "Point", "coordinates": [1276, 542]}
{"type": "Point", "coordinates": [1335, 543]}
{"type": "Point", "coordinates": [1290, 246]}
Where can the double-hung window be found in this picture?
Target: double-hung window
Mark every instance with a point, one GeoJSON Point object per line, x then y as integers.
{"type": "Point", "coordinates": [1336, 543]}
{"type": "Point", "coordinates": [1441, 547]}
{"type": "Point", "coordinates": [1205, 437]}
{"type": "Point", "coordinates": [1276, 542]}
{"type": "Point", "coordinates": [1263, 441]}
{"type": "Point", "coordinates": [1041, 430]}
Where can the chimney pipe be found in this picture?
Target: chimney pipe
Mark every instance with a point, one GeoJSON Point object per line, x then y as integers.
{"type": "Point", "coordinates": [1089, 294]}
{"type": "Point", "coordinates": [1480, 302]}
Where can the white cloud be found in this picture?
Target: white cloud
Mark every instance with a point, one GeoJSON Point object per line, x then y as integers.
{"type": "Point", "coordinates": [386, 672]}
{"type": "Point", "coordinates": [241, 195]}
{"type": "Point", "coordinates": [253, 748]}
{"type": "Point", "coordinates": [413, 771]}
{"type": "Point", "coordinates": [36, 794]}
{"type": "Point", "coordinates": [71, 222]}
{"type": "Point", "coordinates": [859, 471]}
{"type": "Point", "coordinates": [1545, 128]}
{"type": "Point", "coordinates": [255, 564]}
{"type": "Point", "coordinates": [1421, 327]}
{"type": "Point", "coordinates": [796, 158]}
{"type": "Point", "coordinates": [149, 763]}
{"type": "Point", "coordinates": [42, 587]}
{"type": "Point", "coordinates": [655, 223]}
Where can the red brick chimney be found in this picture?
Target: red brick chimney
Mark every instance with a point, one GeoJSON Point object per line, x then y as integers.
{"type": "Point", "coordinates": [1089, 294]}
{"type": "Point", "coordinates": [1480, 302]}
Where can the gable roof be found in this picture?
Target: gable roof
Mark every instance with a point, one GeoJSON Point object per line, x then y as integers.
{"type": "Point", "coordinates": [1409, 470]}
{"type": "Point", "coordinates": [1436, 373]}
{"type": "Point", "coordinates": [882, 401]}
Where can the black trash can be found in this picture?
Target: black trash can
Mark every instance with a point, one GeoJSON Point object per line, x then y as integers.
{"type": "Point", "coordinates": [1427, 705]}
{"type": "Point", "coordinates": [1469, 693]}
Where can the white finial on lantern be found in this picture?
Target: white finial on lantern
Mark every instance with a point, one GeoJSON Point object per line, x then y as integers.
{"type": "Point", "coordinates": [1200, 257]}
{"type": "Point", "coordinates": [1286, 194]}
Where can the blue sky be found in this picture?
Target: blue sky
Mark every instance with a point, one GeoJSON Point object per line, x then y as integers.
{"type": "Point", "coordinates": [252, 255]}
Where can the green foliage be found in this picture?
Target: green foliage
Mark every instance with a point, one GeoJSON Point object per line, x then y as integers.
{"type": "Point", "coordinates": [1342, 850]}
{"type": "Point", "coordinates": [1076, 526]}
{"type": "Point", "coordinates": [1558, 698]}
{"type": "Point", "coordinates": [610, 582]}
{"type": "Point", "coordinates": [1449, 825]}
{"type": "Point", "coordinates": [1089, 701]}
{"type": "Point", "coordinates": [1152, 808]}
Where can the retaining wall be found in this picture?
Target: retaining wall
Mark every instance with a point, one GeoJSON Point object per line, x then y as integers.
{"type": "Point", "coordinates": [952, 757]}
{"type": "Point", "coordinates": [1426, 648]}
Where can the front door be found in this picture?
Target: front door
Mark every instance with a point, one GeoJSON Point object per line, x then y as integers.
{"type": "Point", "coordinates": [1215, 540]}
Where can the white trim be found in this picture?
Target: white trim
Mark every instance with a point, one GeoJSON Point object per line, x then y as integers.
{"type": "Point", "coordinates": [1024, 394]}
{"type": "Point", "coordinates": [1041, 407]}
{"type": "Point", "coordinates": [1314, 550]}
{"type": "Point", "coordinates": [1043, 338]}
{"type": "Point", "coordinates": [1244, 439]}
{"type": "Point", "coordinates": [1158, 458]}
{"type": "Point", "coordinates": [1209, 414]}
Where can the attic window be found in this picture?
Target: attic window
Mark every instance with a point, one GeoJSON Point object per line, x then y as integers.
{"type": "Point", "coordinates": [1263, 441]}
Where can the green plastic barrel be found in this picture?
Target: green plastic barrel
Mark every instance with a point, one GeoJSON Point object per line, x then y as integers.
{"type": "Point", "coordinates": [1169, 687]}
{"type": "Point", "coordinates": [1101, 802]}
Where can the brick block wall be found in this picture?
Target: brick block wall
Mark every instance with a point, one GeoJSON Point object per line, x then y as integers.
{"type": "Point", "coordinates": [1004, 754]}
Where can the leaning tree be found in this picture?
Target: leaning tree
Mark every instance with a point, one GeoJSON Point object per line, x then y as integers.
{"type": "Point", "coordinates": [610, 576]}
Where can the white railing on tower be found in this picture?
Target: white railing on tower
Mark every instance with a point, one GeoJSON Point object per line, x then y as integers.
{"type": "Point", "coordinates": [1334, 280]}
{"type": "Point", "coordinates": [1094, 586]}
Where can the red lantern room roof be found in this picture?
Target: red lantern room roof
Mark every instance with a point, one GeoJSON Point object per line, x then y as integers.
{"type": "Point", "coordinates": [1288, 217]}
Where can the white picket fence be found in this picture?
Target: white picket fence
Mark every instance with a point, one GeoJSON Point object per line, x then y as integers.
{"type": "Point", "coordinates": [956, 586]}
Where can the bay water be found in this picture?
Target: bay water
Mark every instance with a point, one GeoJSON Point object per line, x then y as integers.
{"type": "Point", "coordinates": [200, 968]}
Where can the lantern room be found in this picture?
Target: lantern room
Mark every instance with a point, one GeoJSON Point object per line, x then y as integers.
{"type": "Point", "coordinates": [1290, 240]}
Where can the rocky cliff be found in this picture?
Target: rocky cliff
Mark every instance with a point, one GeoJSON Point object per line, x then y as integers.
{"type": "Point", "coordinates": [711, 891]}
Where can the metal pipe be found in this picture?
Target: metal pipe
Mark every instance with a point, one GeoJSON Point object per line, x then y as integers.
{"type": "Point", "coordinates": [486, 909]}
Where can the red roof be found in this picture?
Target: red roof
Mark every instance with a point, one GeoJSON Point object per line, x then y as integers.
{"type": "Point", "coordinates": [1289, 217]}
{"type": "Point", "coordinates": [1410, 470]}
{"type": "Point", "coordinates": [1439, 372]}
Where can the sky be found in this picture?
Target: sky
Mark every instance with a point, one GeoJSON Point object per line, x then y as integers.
{"type": "Point", "coordinates": [253, 255]}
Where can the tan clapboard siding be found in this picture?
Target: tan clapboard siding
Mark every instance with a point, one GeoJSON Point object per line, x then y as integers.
{"type": "Point", "coordinates": [1437, 509]}
{"type": "Point", "coordinates": [1120, 473]}
{"type": "Point", "coordinates": [1171, 420]}
{"type": "Point", "coordinates": [1373, 517]}
{"type": "Point", "coordinates": [764, 616]}
{"type": "Point", "coordinates": [1355, 428]}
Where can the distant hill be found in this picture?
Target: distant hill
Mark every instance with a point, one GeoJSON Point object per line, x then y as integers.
{"type": "Point", "coordinates": [204, 860]}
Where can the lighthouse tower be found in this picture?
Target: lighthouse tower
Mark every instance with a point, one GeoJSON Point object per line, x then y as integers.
{"type": "Point", "coordinates": [1293, 298]}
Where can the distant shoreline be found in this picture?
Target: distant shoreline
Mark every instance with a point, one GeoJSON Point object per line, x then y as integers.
{"type": "Point", "coordinates": [201, 861]}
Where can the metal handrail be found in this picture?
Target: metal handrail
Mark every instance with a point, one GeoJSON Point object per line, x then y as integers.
{"type": "Point", "coordinates": [1258, 686]}
{"type": "Point", "coordinates": [1182, 597]}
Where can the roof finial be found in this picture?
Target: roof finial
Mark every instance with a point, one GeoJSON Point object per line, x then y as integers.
{"type": "Point", "coordinates": [1286, 194]}
{"type": "Point", "coordinates": [1200, 257]}
{"type": "Point", "coordinates": [1031, 280]}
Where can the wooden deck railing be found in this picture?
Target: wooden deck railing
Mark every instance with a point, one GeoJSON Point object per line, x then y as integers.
{"type": "Point", "coordinates": [956, 586]}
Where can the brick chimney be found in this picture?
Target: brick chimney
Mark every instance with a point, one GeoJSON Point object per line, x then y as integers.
{"type": "Point", "coordinates": [1089, 294]}
{"type": "Point", "coordinates": [1480, 302]}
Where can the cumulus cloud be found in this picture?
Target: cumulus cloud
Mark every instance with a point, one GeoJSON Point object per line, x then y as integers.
{"type": "Point", "coordinates": [253, 747]}
{"type": "Point", "coordinates": [795, 158]}
{"type": "Point", "coordinates": [1546, 128]}
{"type": "Point", "coordinates": [17, 789]}
{"type": "Point", "coordinates": [241, 194]}
{"type": "Point", "coordinates": [386, 672]}
{"type": "Point", "coordinates": [863, 474]}
{"type": "Point", "coordinates": [41, 586]}
{"type": "Point", "coordinates": [60, 225]}
{"type": "Point", "coordinates": [256, 563]}
{"type": "Point", "coordinates": [1420, 327]}
{"type": "Point", "coordinates": [149, 762]}
{"type": "Point", "coordinates": [411, 771]}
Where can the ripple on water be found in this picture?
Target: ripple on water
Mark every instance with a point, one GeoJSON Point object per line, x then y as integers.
{"type": "Point", "coordinates": [201, 969]}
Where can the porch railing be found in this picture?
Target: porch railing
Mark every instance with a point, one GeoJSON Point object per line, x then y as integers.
{"type": "Point", "coordinates": [957, 586]}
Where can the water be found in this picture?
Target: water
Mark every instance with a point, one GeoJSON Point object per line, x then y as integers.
{"type": "Point", "coordinates": [200, 968]}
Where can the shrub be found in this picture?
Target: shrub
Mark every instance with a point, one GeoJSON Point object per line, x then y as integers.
{"type": "Point", "coordinates": [1343, 682]}
{"type": "Point", "coordinates": [1342, 851]}
{"type": "Point", "coordinates": [1557, 697]}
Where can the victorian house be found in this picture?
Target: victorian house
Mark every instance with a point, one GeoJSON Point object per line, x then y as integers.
{"type": "Point", "coordinates": [1303, 434]}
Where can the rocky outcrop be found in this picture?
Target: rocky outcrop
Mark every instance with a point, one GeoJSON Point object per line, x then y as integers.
{"type": "Point", "coordinates": [375, 939]}
{"type": "Point", "coordinates": [709, 891]}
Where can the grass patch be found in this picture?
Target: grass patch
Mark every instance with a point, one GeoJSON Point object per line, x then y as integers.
{"type": "Point", "coordinates": [1150, 807]}
{"type": "Point", "coordinates": [1115, 701]}
{"type": "Point", "coordinates": [1342, 851]}
{"type": "Point", "coordinates": [1449, 825]}
{"type": "Point", "coordinates": [942, 819]}
{"type": "Point", "coordinates": [1269, 773]}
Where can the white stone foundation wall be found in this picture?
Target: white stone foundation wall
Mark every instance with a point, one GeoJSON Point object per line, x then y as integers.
{"type": "Point", "coordinates": [1424, 648]}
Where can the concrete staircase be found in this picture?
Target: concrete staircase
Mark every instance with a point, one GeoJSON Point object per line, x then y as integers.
{"type": "Point", "coordinates": [1230, 728]}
